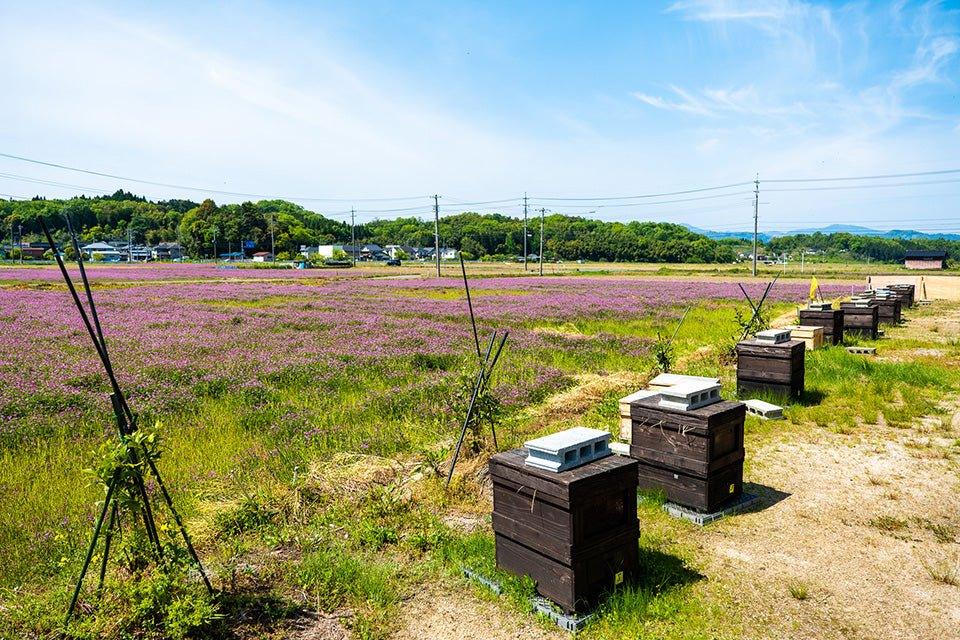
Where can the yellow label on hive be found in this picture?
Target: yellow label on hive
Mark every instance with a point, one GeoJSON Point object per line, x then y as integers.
{"type": "Point", "coordinates": [733, 488]}
{"type": "Point", "coordinates": [618, 578]}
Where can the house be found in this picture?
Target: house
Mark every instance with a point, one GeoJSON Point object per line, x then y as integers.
{"type": "Point", "coordinates": [101, 251]}
{"type": "Point", "coordinates": [167, 251]}
{"type": "Point", "coordinates": [925, 259]}
{"type": "Point", "coordinates": [327, 251]}
{"type": "Point", "coordinates": [397, 251]}
{"type": "Point", "coordinates": [373, 252]}
{"type": "Point", "coordinates": [449, 254]}
{"type": "Point", "coordinates": [263, 256]}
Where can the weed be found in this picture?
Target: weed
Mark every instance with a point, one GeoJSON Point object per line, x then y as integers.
{"type": "Point", "coordinates": [799, 590]}
{"type": "Point", "coordinates": [946, 570]}
{"type": "Point", "coordinates": [889, 523]}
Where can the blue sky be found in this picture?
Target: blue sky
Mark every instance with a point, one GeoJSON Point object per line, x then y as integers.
{"type": "Point", "coordinates": [487, 101]}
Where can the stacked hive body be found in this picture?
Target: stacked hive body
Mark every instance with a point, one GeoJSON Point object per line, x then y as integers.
{"type": "Point", "coordinates": [861, 317]}
{"type": "Point", "coordinates": [695, 456]}
{"type": "Point", "coordinates": [905, 292]}
{"type": "Point", "coordinates": [812, 336]}
{"type": "Point", "coordinates": [824, 315]}
{"type": "Point", "coordinates": [771, 364]}
{"type": "Point", "coordinates": [575, 532]}
{"type": "Point", "coordinates": [888, 306]}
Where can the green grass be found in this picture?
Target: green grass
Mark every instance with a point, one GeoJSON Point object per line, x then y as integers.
{"type": "Point", "coordinates": [239, 463]}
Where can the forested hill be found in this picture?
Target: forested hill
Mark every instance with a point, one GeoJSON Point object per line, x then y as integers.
{"type": "Point", "coordinates": [566, 237]}
{"type": "Point", "coordinates": [195, 225]}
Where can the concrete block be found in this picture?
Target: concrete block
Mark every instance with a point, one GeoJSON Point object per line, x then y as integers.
{"type": "Point", "coordinates": [765, 410]}
{"type": "Point", "coordinates": [773, 336]}
{"type": "Point", "coordinates": [567, 449]}
{"type": "Point", "coordinates": [690, 395]}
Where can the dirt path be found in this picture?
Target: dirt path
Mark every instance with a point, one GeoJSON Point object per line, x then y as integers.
{"type": "Point", "coordinates": [844, 555]}
{"type": "Point", "coordinates": [459, 614]}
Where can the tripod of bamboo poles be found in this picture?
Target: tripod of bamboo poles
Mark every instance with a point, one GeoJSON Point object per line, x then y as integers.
{"type": "Point", "coordinates": [487, 361]}
{"type": "Point", "coordinates": [127, 426]}
{"type": "Point", "coordinates": [755, 307]}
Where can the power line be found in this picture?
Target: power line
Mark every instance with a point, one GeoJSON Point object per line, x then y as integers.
{"type": "Point", "coordinates": [875, 177]}
{"type": "Point", "coordinates": [867, 186]}
{"type": "Point", "coordinates": [647, 195]}
{"type": "Point", "coordinates": [650, 204]}
{"type": "Point", "coordinates": [200, 189]}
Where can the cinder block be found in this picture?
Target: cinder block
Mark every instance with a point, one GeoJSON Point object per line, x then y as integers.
{"type": "Point", "coordinates": [567, 449]}
{"type": "Point", "coordinates": [774, 336]}
{"type": "Point", "coordinates": [765, 410]}
{"type": "Point", "coordinates": [687, 396]}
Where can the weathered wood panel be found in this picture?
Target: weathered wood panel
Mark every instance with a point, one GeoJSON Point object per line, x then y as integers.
{"type": "Point", "coordinates": [581, 584]}
{"type": "Point", "coordinates": [566, 530]}
{"type": "Point", "coordinates": [777, 368]}
{"type": "Point", "coordinates": [706, 494]}
{"type": "Point", "coordinates": [863, 321]}
{"type": "Point", "coordinates": [831, 320]}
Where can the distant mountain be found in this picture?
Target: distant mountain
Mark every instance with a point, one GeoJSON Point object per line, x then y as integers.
{"type": "Point", "coordinates": [901, 234]}
{"type": "Point", "coordinates": [721, 235]}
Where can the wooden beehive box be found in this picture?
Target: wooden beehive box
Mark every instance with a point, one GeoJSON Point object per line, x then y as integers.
{"type": "Point", "coordinates": [776, 368]}
{"type": "Point", "coordinates": [575, 533]}
{"type": "Point", "coordinates": [906, 292]}
{"type": "Point", "coordinates": [863, 321]}
{"type": "Point", "coordinates": [830, 319]}
{"type": "Point", "coordinates": [812, 335]}
{"type": "Point", "coordinates": [888, 310]}
{"type": "Point", "coordinates": [694, 456]}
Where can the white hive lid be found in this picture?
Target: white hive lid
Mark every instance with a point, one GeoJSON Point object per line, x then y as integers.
{"type": "Point", "coordinates": [670, 379]}
{"type": "Point", "coordinates": [556, 442]}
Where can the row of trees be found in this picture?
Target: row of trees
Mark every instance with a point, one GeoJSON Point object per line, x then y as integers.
{"type": "Point", "coordinates": [202, 227]}
{"type": "Point", "coordinates": [881, 249]}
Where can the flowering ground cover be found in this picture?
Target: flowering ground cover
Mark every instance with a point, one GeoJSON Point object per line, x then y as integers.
{"type": "Point", "coordinates": [256, 378]}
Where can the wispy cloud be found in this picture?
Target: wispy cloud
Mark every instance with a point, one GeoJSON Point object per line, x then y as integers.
{"type": "Point", "coordinates": [719, 102]}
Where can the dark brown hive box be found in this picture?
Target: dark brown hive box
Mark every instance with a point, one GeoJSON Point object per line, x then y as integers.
{"type": "Point", "coordinates": [888, 310]}
{"type": "Point", "coordinates": [574, 532]}
{"type": "Point", "coordinates": [905, 292]}
{"type": "Point", "coordinates": [830, 319]}
{"type": "Point", "coordinates": [765, 366]}
{"type": "Point", "coordinates": [695, 456]}
{"type": "Point", "coordinates": [863, 321]}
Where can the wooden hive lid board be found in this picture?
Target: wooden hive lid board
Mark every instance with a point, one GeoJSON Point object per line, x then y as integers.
{"type": "Point", "coordinates": [562, 486]}
{"type": "Point", "coordinates": [696, 421]}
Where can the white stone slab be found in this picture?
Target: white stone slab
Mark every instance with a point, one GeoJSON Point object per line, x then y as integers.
{"type": "Point", "coordinates": [620, 448]}
{"type": "Point", "coordinates": [567, 449]}
{"type": "Point", "coordinates": [820, 306]}
{"type": "Point", "coordinates": [633, 397]}
{"type": "Point", "coordinates": [665, 380]}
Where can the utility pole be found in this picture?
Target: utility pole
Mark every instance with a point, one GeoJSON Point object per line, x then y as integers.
{"type": "Point", "coordinates": [353, 236]}
{"type": "Point", "coordinates": [542, 212]}
{"type": "Point", "coordinates": [20, 236]}
{"type": "Point", "coordinates": [273, 254]}
{"type": "Point", "coordinates": [525, 231]}
{"type": "Point", "coordinates": [436, 230]}
{"type": "Point", "coordinates": [129, 244]}
{"type": "Point", "coordinates": [756, 213]}
{"type": "Point", "coordinates": [214, 244]}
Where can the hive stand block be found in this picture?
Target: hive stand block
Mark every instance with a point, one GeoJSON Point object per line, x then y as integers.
{"type": "Point", "coordinates": [745, 501]}
{"type": "Point", "coordinates": [567, 449]}
{"type": "Point", "coordinates": [687, 396]}
{"type": "Point", "coordinates": [765, 410]}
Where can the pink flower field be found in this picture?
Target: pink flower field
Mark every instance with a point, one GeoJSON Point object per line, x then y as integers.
{"type": "Point", "coordinates": [198, 330]}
